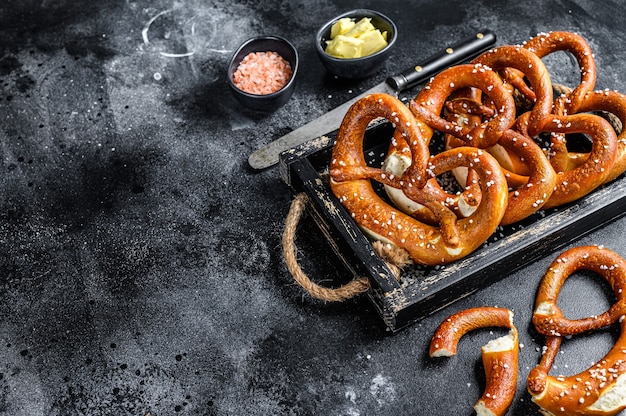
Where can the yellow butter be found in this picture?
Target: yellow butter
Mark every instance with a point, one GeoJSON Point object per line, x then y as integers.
{"type": "Point", "coordinates": [344, 47]}
{"type": "Point", "coordinates": [373, 41]}
{"type": "Point", "coordinates": [341, 27]}
{"type": "Point", "coordinates": [355, 40]}
{"type": "Point", "coordinates": [360, 28]}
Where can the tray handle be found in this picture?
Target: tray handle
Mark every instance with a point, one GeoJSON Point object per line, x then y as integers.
{"type": "Point", "coordinates": [351, 289]}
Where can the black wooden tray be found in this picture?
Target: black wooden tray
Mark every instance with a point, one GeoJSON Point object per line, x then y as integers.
{"type": "Point", "coordinates": [424, 290]}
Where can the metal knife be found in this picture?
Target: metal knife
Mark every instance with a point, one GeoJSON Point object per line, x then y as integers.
{"type": "Point", "coordinates": [452, 55]}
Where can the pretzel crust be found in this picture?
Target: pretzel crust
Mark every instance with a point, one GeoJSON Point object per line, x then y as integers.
{"type": "Point", "coordinates": [544, 44]}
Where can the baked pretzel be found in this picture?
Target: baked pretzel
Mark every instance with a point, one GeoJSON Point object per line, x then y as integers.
{"type": "Point", "coordinates": [471, 79]}
{"type": "Point", "coordinates": [577, 183]}
{"type": "Point", "coordinates": [532, 187]}
{"type": "Point", "coordinates": [504, 59]}
{"type": "Point", "coordinates": [546, 43]}
{"type": "Point", "coordinates": [500, 356]}
{"type": "Point", "coordinates": [430, 101]}
{"type": "Point", "coordinates": [600, 389]}
{"type": "Point", "coordinates": [596, 168]}
{"type": "Point", "coordinates": [350, 179]}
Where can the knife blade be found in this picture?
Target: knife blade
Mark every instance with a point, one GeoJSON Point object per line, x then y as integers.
{"type": "Point", "coordinates": [330, 121]}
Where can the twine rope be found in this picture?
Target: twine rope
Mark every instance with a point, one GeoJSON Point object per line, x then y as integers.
{"type": "Point", "coordinates": [395, 258]}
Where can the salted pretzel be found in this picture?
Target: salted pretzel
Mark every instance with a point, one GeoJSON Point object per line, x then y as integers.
{"type": "Point", "coordinates": [528, 193]}
{"type": "Point", "coordinates": [577, 174]}
{"type": "Point", "coordinates": [430, 101]}
{"type": "Point", "coordinates": [350, 181]}
{"type": "Point", "coordinates": [547, 43]}
{"type": "Point", "coordinates": [600, 390]}
{"type": "Point", "coordinates": [573, 181]}
{"type": "Point", "coordinates": [427, 107]}
{"type": "Point", "coordinates": [500, 356]}
{"type": "Point", "coordinates": [595, 170]}
{"type": "Point", "coordinates": [504, 59]}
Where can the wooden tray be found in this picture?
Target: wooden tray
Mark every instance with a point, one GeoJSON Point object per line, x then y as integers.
{"type": "Point", "coordinates": [424, 290]}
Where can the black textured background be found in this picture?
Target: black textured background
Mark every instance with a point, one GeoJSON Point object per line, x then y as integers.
{"type": "Point", "coordinates": [140, 263]}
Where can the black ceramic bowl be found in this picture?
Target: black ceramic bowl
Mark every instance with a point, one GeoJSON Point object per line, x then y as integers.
{"type": "Point", "coordinates": [272, 101]}
{"type": "Point", "coordinates": [358, 67]}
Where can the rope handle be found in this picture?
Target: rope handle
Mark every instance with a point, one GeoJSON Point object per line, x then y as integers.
{"type": "Point", "coordinates": [395, 258]}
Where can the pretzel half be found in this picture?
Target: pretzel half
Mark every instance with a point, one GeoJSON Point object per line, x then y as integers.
{"type": "Point", "coordinates": [499, 356]}
{"type": "Point", "coordinates": [600, 390]}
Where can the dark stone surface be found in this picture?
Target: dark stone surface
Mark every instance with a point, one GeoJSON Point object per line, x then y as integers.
{"type": "Point", "coordinates": [140, 262]}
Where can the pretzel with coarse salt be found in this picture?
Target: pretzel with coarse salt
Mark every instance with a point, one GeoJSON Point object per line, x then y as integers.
{"type": "Point", "coordinates": [430, 101]}
{"type": "Point", "coordinates": [350, 181]}
{"type": "Point", "coordinates": [545, 44]}
{"type": "Point", "coordinates": [530, 66]}
{"type": "Point", "coordinates": [500, 356]}
{"type": "Point", "coordinates": [427, 107]}
{"type": "Point", "coordinates": [601, 389]}
{"type": "Point", "coordinates": [530, 193]}
{"type": "Point", "coordinates": [595, 170]}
